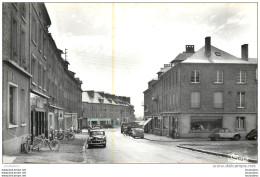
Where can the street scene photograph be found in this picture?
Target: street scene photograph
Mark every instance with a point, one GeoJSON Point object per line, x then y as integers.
{"type": "Point", "coordinates": [129, 83]}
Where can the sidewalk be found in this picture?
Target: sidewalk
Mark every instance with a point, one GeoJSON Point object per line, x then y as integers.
{"type": "Point", "coordinates": [241, 150]}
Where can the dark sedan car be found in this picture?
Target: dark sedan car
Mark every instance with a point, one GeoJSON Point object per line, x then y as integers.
{"type": "Point", "coordinates": [96, 138]}
{"type": "Point", "coordinates": [252, 135]}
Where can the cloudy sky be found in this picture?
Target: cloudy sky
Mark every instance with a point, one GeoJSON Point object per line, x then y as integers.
{"type": "Point", "coordinates": [146, 36]}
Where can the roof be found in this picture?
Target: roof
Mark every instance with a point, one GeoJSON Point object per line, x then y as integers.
{"type": "Point", "coordinates": [97, 97]}
{"type": "Point", "coordinates": [217, 56]}
{"type": "Point", "coordinates": [181, 57]}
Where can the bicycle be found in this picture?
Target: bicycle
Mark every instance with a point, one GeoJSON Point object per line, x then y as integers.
{"type": "Point", "coordinates": [27, 147]}
{"type": "Point", "coordinates": [69, 135]}
{"type": "Point", "coordinates": [41, 141]}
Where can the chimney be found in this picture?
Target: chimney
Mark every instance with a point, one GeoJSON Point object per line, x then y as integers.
{"type": "Point", "coordinates": [207, 46]}
{"type": "Point", "coordinates": [189, 49]}
{"type": "Point", "coordinates": [244, 52]}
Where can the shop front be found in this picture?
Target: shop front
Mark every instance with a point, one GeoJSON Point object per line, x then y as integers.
{"type": "Point", "coordinates": [39, 119]}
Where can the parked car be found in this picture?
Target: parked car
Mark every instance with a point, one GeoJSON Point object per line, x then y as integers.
{"type": "Point", "coordinates": [96, 138]}
{"type": "Point", "coordinates": [223, 133]}
{"type": "Point", "coordinates": [137, 132]}
{"type": "Point", "coordinates": [252, 135]}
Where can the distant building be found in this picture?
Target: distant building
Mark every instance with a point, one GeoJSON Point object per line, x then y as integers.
{"type": "Point", "coordinates": [203, 90]}
{"type": "Point", "coordinates": [39, 92]}
{"type": "Point", "coordinates": [105, 109]}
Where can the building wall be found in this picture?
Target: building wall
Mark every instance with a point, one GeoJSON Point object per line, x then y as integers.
{"type": "Point", "coordinates": [206, 87]}
{"type": "Point", "coordinates": [15, 73]}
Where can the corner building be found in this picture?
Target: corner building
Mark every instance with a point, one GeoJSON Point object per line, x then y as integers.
{"type": "Point", "coordinates": [203, 90]}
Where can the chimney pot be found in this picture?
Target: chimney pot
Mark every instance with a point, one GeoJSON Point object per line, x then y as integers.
{"type": "Point", "coordinates": [189, 49]}
{"type": "Point", "coordinates": [208, 46]}
{"type": "Point", "coordinates": [244, 52]}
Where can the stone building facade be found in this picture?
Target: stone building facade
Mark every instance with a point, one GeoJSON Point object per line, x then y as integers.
{"type": "Point", "coordinates": [203, 90]}
{"type": "Point", "coordinates": [105, 109]}
{"type": "Point", "coordinates": [38, 90]}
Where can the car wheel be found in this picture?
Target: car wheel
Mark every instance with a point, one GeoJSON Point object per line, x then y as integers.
{"type": "Point", "coordinates": [237, 137]}
{"type": "Point", "coordinates": [255, 137]}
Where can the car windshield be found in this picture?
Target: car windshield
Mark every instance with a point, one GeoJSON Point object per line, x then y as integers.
{"type": "Point", "coordinates": [97, 133]}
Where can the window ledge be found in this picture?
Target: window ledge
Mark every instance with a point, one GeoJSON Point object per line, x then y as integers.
{"type": "Point", "coordinates": [241, 83]}
{"type": "Point", "coordinates": [12, 126]}
{"type": "Point", "coordinates": [40, 50]}
{"type": "Point", "coordinates": [23, 124]}
{"type": "Point", "coordinates": [34, 43]}
{"type": "Point", "coordinates": [240, 107]}
{"type": "Point", "coordinates": [240, 129]}
{"type": "Point", "coordinates": [44, 90]}
{"type": "Point", "coordinates": [33, 83]}
{"type": "Point", "coordinates": [194, 82]}
{"type": "Point", "coordinates": [18, 67]}
{"type": "Point", "coordinates": [24, 20]}
{"type": "Point", "coordinates": [219, 83]}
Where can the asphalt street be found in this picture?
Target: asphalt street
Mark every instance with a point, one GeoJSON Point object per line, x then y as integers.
{"type": "Point", "coordinates": [121, 149]}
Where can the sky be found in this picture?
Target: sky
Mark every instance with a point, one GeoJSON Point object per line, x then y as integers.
{"type": "Point", "coordinates": [146, 36]}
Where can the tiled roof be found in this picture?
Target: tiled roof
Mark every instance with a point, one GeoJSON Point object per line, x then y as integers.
{"type": "Point", "coordinates": [97, 97]}
{"type": "Point", "coordinates": [217, 56]}
{"type": "Point", "coordinates": [182, 57]}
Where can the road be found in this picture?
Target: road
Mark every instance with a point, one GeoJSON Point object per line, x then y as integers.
{"type": "Point", "coordinates": [121, 149]}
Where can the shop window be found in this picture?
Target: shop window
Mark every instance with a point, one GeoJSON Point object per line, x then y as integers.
{"type": "Point", "coordinates": [218, 77]}
{"type": "Point", "coordinates": [240, 122]}
{"type": "Point", "coordinates": [241, 77]}
{"type": "Point", "coordinates": [195, 99]}
{"type": "Point", "coordinates": [12, 105]}
{"type": "Point", "coordinates": [240, 99]}
{"type": "Point", "coordinates": [218, 100]}
{"type": "Point", "coordinates": [204, 124]}
{"type": "Point", "coordinates": [195, 76]}
{"type": "Point", "coordinates": [157, 123]}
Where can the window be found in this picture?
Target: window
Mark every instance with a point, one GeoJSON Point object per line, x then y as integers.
{"type": "Point", "coordinates": [23, 62]}
{"type": "Point", "coordinates": [219, 77]}
{"type": "Point", "coordinates": [176, 80]}
{"type": "Point", "coordinates": [240, 122]}
{"type": "Point", "coordinates": [195, 76]}
{"type": "Point", "coordinates": [241, 77]}
{"type": "Point", "coordinates": [12, 105]}
{"type": "Point", "coordinates": [40, 40]}
{"type": "Point", "coordinates": [23, 11]}
{"type": "Point", "coordinates": [33, 70]}
{"type": "Point", "coordinates": [240, 99]}
{"type": "Point", "coordinates": [22, 106]}
{"type": "Point", "coordinates": [34, 31]}
{"type": "Point", "coordinates": [173, 101]}
{"type": "Point", "coordinates": [44, 79]}
{"type": "Point", "coordinates": [173, 77]}
{"type": "Point", "coordinates": [157, 123]}
{"type": "Point", "coordinates": [39, 75]}
{"type": "Point", "coordinates": [165, 122]}
{"type": "Point", "coordinates": [14, 39]}
{"type": "Point", "coordinates": [218, 100]}
{"type": "Point", "coordinates": [205, 124]}
{"type": "Point", "coordinates": [45, 47]}
{"type": "Point", "coordinates": [195, 99]}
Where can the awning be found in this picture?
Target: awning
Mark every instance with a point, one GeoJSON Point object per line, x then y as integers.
{"type": "Point", "coordinates": [147, 121]}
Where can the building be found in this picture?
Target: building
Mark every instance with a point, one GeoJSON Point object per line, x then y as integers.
{"type": "Point", "coordinates": [38, 90]}
{"type": "Point", "coordinates": [203, 90]}
{"type": "Point", "coordinates": [16, 76]}
{"type": "Point", "coordinates": [105, 109]}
